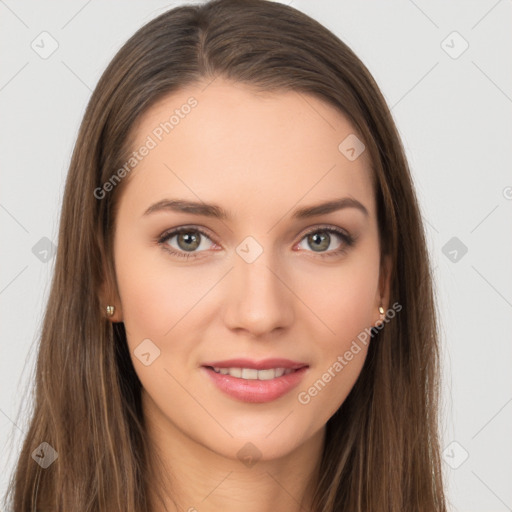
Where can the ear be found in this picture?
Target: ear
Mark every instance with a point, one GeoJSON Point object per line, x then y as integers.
{"type": "Point", "coordinates": [108, 296]}
{"type": "Point", "coordinates": [383, 291]}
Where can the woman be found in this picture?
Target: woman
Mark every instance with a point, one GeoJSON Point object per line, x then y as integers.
{"type": "Point", "coordinates": [242, 311]}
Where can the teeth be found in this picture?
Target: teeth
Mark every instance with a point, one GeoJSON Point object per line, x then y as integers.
{"type": "Point", "coordinates": [252, 374]}
{"type": "Point", "coordinates": [249, 373]}
{"type": "Point", "coordinates": [234, 372]}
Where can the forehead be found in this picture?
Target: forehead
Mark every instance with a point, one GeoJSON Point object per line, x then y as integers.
{"type": "Point", "coordinates": [228, 142]}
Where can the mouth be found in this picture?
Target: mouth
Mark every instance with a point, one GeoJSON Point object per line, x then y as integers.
{"type": "Point", "coordinates": [252, 373]}
{"type": "Point", "coordinates": [255, 385]}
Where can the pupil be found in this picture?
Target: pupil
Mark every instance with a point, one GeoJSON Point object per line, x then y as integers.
{"type": "Point", "coordinates": [188, 239]}
{"type": "Point", "coordinates": [320, 239]}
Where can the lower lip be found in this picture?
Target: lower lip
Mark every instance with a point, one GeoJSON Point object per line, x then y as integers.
{"type": "Point", "coordinates": [254, 390]}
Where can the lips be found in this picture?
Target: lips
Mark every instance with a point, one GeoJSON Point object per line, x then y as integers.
{"type": "Point", "coordinates": [256, 390]}
{"type": "Point", "coordinates": [264, 364]}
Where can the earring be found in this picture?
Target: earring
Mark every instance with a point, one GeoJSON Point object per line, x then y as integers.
{"type": "Point", "coordinates": [381, 310]}
{"type": "Point", "coordinates": [110, 310]}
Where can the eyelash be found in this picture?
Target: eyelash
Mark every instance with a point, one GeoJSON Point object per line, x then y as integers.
{"type": "Point", "coordinates": [348, 240]}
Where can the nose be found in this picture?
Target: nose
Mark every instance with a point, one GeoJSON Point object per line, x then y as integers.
{"type": "Point", "coordinates": [260, 298]}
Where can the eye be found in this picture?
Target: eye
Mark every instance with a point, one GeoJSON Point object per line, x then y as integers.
{"type": "Point", "coordinates": [321, 238]}
{"type": "Point", "coordinates": [188, 240]}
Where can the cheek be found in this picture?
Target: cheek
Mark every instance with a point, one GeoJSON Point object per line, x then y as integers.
{"type": "Point", "coordinates": [155, 295]}
{"type": "Point", "coordinates": [341, 296]}
{"type": "Point", "coordinates": [343, 299]}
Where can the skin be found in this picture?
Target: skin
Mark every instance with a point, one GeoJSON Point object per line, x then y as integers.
{"type": "Point", "coordinates": [260, 156]}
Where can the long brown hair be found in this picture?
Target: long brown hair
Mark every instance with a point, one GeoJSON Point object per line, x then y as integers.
{"type": "Point", "coordinates": [381, 447]}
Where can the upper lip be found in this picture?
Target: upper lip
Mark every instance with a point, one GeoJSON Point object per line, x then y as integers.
{"type": "Point", "coordinates": [264, 364]}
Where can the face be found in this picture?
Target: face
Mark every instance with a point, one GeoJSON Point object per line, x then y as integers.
{"type": "Point", "coordinates": [268, 280]}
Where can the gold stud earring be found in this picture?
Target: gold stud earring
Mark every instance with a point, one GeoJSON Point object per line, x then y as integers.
{"type": "Point", "coordinates": [110, 310]}
{"type": "Point", "coordinates": [381, 310]}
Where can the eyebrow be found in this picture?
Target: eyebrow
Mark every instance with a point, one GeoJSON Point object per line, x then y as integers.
{"type": "Point", "coordinates": [216, 211]}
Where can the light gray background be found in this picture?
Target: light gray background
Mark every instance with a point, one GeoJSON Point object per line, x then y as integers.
{"type": "Point", "coordinates": [454, 115]}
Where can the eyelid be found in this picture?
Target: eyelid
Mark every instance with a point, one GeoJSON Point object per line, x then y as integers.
{"type": "Point", "coordinates": [187, 227]}
{"type": "Point", "coordinates": [320, 227]}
